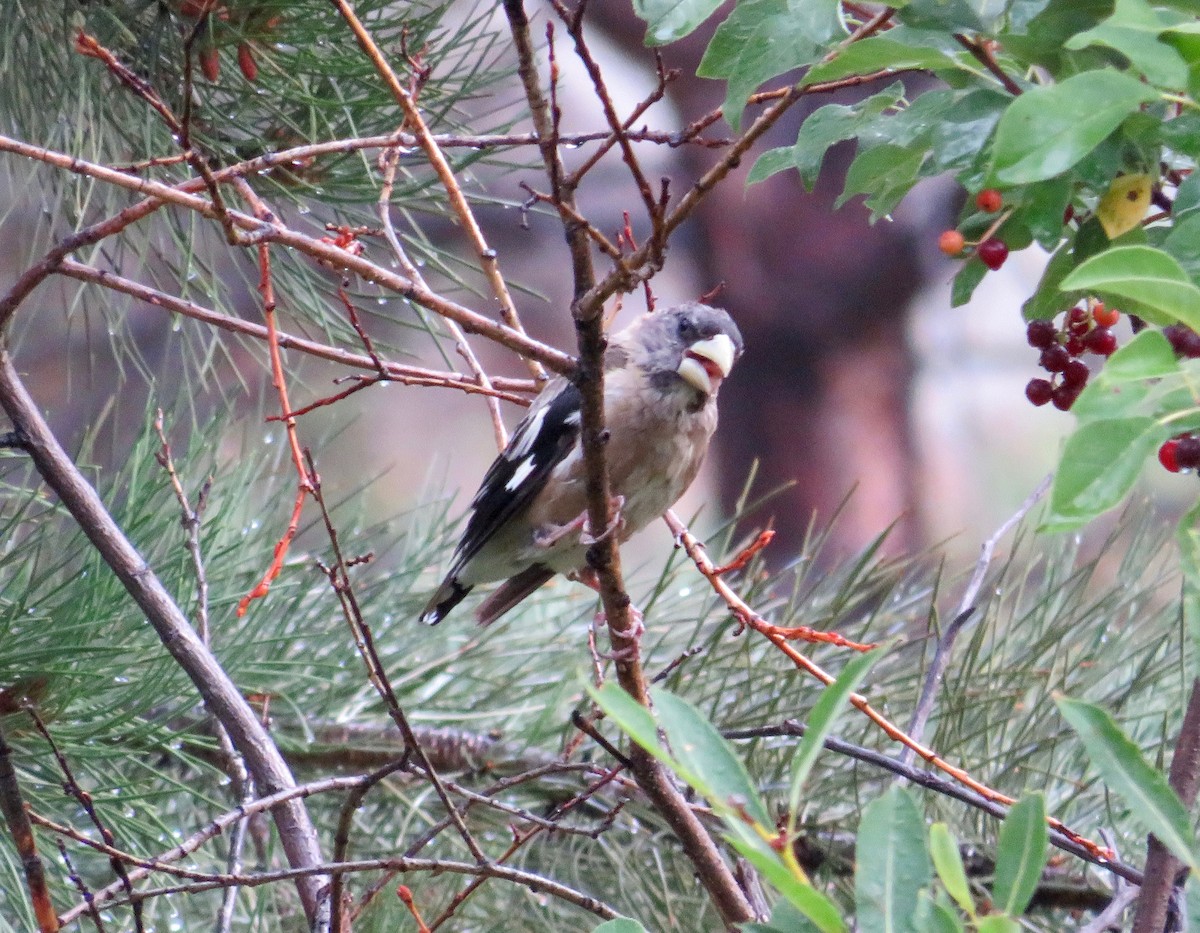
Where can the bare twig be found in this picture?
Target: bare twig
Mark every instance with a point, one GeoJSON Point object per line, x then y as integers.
{"type": "Point", "coordinates": [12, 808]}
{"type": "Point", "coordinates": [458, 202]}
{"type": "Point", "coordinates": [966, 609]}
{"type": "Point", "coordinates": [220, 694]}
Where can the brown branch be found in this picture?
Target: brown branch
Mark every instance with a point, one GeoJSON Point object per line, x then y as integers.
{"type": "Point", "coordinates": [220, 694]}
{"type": "Point", "coordinates": [12, 808]}
{"type": "Point", "coordinates": [604, 556]}
{"type": "Point", "coordinates": [505, 389]}
{"type": "Point", "coordinates": [980, 50]}
{"type": "Point", "coordinates": [1164, 872]}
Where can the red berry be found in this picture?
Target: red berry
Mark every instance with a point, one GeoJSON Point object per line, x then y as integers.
{"type": "Point", "coordinates": [1078, 322]}
{"type": "Point", "coordinates": [992, 253]}
{"type": "Point", "coordinates": [1041, 334]}
{"type": "Point", "coordinates": [1074, 345]}
{"type": "Point", "coordinates": [1075, 374]}
{"type": "Point", "coordinates": [1054, 359]}
{"type": "Point", "coordinates": [951, 242]}
{"type": "Point", "coordinates": [1101, 340]}
{"type": "Point", "coordinates": [989, 200]}
{"type": "Point", "coordinates": [1105, 317]}
{"type": "Point", "coordinates": [246, 62]}
{"type": "Point", "coordinates": [1184, 341]}
{"type": "Point", "coordinates": [1039, 391]}
{"type": "Point", "coordinates": [1167, 455]}
{"type": "Point", "coordinates": [1064, 396]}
{"type": "Point", "coordinates": [1187, 452]}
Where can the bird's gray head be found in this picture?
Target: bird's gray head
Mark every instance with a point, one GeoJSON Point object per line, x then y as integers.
{"type": "Point", "coordinates": [690, 345]}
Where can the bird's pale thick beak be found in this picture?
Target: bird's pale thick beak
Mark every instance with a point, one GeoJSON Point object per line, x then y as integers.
{"type": "Point", "coordinates": [707, 362]}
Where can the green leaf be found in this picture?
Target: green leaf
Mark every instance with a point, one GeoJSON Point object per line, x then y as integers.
{"type": "Point", "coordinates": [960, 134]}
{"type": "Point", "coordinates": [702, 751]}
{"type": "Point", "coordinates": [1100, 463]}
{"type": "Point", "coordinates": [1121, 388]}
{"type": "Point", "coordinates": [1188, 536]}
{"type": "Point", "coordinates": [891, 864]}
{"type": "Point", "coordinates": [1144, 789]}
{"type": "Point", "coordinates": [1021, 856]}
{"type": "Point", "coordinates": [805, 898]}
{"type": "Point", "coordinates": [966, 281]}
{"type": "Point", "coordinates": [1047, 130]}
{"type": "Point", "coordinates": [1133, 30]}
{"type": "Point", "coordinates": [620, 925]}
{"type": "Point", "coordinates": [833, 702]}
{"type": "Point", "coordinates": [876, 54]}
{"type": "Point", "coordinates": [785, 918]}
{"type": "Point", "coordinates": [759, 40]}
{"type": "Point", "coordinates": [996, 923]}
{"type": "Point", "coordinates": [824, 127]}
{"type": "Point", "coordinates": [948, 863]}
{"type": "Point", "coordinates": [1183, 242]}
{"type": "Point", "coordinates": [884, 174]}
{"type": "Point", "coordinates": [937, 916]}
{"type": "Point", "coordinates": [949, 15]}
{"type": "Point", "coordinates": [1187, 197]}
{"type": "Point", "coordinates": [1150, 278]}
{"type": "Point", "coordinates": [1048, 298]}
{"type": "Point", "coordinates": [669, 20]}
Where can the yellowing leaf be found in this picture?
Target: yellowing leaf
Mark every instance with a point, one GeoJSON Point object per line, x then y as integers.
{"type": "Point", "coordinates": [1124, 204]}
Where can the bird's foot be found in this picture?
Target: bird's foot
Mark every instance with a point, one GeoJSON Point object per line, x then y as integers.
{"type": "Point", "coordinates": [632, 636]}
{"type": "Point", "coordinates": [547, 536]}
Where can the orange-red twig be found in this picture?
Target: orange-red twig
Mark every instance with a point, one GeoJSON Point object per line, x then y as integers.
{"type": "Point", "coordinates": [739, 563]}
{"type": "Point", "coordinates": [304, 488]}
{"type": "Point", "coordinates": [780, 637]}
{"type": "Point", "coordinates": [405, 894]}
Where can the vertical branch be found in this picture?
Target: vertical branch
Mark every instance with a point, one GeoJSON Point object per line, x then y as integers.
{"type": "Point", "coordinates": [604, 557]}
{"type": "Point", "coordinates": [221, 696]}
{"type": "Point", "coordinates": [1164, 871]}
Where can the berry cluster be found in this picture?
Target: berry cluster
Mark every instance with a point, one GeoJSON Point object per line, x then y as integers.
{"type": "Point", "coordinates": [1082, 332]}
{"type": "Point", "coordinates": [991, 250]}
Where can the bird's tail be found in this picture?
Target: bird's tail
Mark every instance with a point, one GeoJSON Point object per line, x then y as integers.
{"type": "Point", "coordinates": [448, 595]}
{"type": "Point", "coordinates": [511, 592]}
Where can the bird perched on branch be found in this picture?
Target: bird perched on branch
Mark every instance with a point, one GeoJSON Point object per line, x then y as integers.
{"type": "Point", "coordinates": [529, 518]}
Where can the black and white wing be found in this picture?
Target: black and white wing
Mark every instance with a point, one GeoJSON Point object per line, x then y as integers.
{"type": "Point", "coordinates": [541, 441]}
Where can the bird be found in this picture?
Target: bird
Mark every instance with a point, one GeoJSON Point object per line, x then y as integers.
{"type": "Point", "coordinates": [528, 521]}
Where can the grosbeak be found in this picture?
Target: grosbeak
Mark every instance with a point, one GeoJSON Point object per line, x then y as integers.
{"type": "Point", "coordinates": [528, 519]}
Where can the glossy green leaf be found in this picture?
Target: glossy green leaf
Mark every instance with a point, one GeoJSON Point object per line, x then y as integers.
{"type": "Point", "coordinates": [966, 281]}
{"type": "Point", "coordinates": [620, 925]}
{"type": "Point", "coordinates": [1183, 242]}
{"type": "Point", "coordinates": [759, 40]}
{"type": "Point", "coordinates": [885, 174]}
{"type": "Point", "coordinates": [832, 703]}
{"type": "Point", "coordinates": [700, 748]}
{"type": "Point", "coordinates": [950, 15]}
{"type": "Point", "coordinates": [937, 916]}
{"type": "Point", "coordinates": [876, 54]}
{"type": "Point", "coordinates": [1048, 298]}
{"type": "Point", "coordinates": [1133, 30]}
{"type": "Point", "coordinates": [1144, 789]}
{"type": "Point", "coordinates": [785, 918]}
{"type": "Point", "coordinates": [824, 127]}
{"type": "Point", "coordinates": [1100, 463]}
{"type": "Point", "coordinates": [669, 20]}
{"type": "Point", "coordinates": [1150, 278]}
{"type": "Point", "coordinates": [891, 864]}
{"type": "Point", "coordinates": [1021, 855]}
{"type": "Point", "coordinates": [808, 900]}
{"type": "Point", "coordinates": [1188, 536]}
{"type": "Point", "coordinates": [948, 863]}
{"type": "Point", "coordinates": [1047, 130]}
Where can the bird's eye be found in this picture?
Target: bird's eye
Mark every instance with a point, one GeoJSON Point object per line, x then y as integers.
{"type": "Point", "coordinates": [685, 327]}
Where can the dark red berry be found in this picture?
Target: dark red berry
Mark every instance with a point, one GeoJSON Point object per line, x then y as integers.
{"type": "Point", "coordinates": [1105, 317]}
{"type": "Point", "coordinates": [246, 62]}
{"type": "Point", "coordinates": [992, 253]}
{"type": "Point", "coordinates": [1054, 359]}
{"type": "Point", "coordinates": [1039, 391]}
{"type": "Point", "coordinates": [951, 242]}
{"type": "Point", "coordinates": [1184, 341]}
{"type": "Point", "coordinates": [210, 64]}
{"type": "Point", "coordinates": [989, 200]}
{"type": "Point", "coordinates": [1101, 340]}
{"type": "Point", "coordinates": [1074, 345]}
{"type": "Point", "coordinates": [1187, 452]}
{"type": "Point", "coordinates": [1064, 396]}
{"type": "Point", "coordinates": [1079, 322]}
{"type": "Point", "coordinates": [1041, 334]}
{"type": "Point", "coordinates": [1167, 455]}
{"type": "Point", "coordinates": [1075, 374]}
{"type": "Point", "coordinates": [1068, 214]}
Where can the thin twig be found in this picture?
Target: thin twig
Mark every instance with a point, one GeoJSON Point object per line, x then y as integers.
{"type": "Point", "coordinates": [966, 609]}
{"type": "Point", "coordinates": [12, 808]}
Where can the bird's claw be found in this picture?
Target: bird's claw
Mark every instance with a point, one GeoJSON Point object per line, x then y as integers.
{"type": "Point", "coordinates": [633, 635]}
{"type": "Point", "coordinates": [549, 535]}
